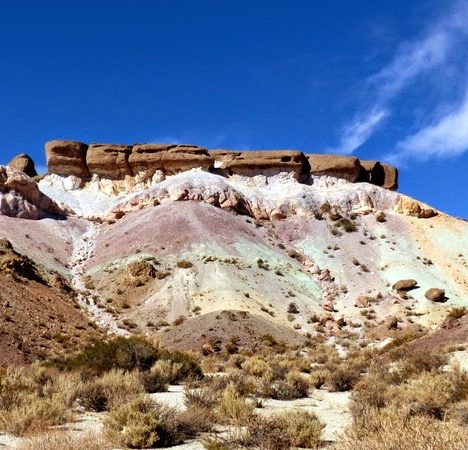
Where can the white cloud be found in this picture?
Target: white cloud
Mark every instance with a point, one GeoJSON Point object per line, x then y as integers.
{"type": "Point", "coordinates": [445, 137]}
{"type": "Point", "coordinates": [357, 132]}
{"type": "Point", "coordinates": [410, 61]}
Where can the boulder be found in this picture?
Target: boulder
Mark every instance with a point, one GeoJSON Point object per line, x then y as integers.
{"type": "Point", "coordinates": [435, 295]}
{"type": "Point", "coordinates": [20, 197]}
{"type": "Point", "coordinates": [67, 158]}
{"type": "Point", "coordinates": [109, 160]}
{"type": "Point", "coordinates": [405, 285]}
{"type": "Point", "coordinates": [345, 167]}
{"type": "Point", "coordinates": [264, 162]}
{"type": "Point", "coordinates": [24, 163]}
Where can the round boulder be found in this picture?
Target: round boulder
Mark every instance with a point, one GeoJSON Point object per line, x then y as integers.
{"type": "Point", "coordinates": [435, 295]}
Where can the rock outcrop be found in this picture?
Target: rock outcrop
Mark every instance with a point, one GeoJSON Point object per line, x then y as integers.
{"type": "Point", "coordinates": [20, 197]}
{"type": "Point", "coordinates": [24, 163]}
{"type": "Point", "coordinates": [379, 174]}
{"type": "Point", "coordinates": [108, 160]}
{"type": "Point", "coordinates": [265, 162]}
{"type": "Point", "coordinates": [67, 158]}
{"type": "Point", "coordinates": [346, 167]}
{"type": "Point", "coordinates": [143, 161]}
{"type": "Point", "coordinates": [170, 159]}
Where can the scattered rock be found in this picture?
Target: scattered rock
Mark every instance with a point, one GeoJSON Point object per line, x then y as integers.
{"type": "Point", "coordinates": [362, 302]}
{"type": "Point", "coordinates": [435, 295]}
{"type": "Point", "coordinates": [405, 285]}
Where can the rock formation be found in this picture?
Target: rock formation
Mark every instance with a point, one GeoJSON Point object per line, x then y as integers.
{"type": "Point", "coordinates": [20, 197]}
{"type": "Point", "coordinates": [379, 174]}
{"type": "Point", "coordinates": [346, 167]}
{"type": "Point", "coordinates": [108, 160]}
{"type": "Point", "coordinates": [264, 162]}
{"type": "Point", "coordinates": [118, 162]}
{"type": "Point", "coordinates": [24, 163]}
{"type": "Point", "coordinates": [67, 158]}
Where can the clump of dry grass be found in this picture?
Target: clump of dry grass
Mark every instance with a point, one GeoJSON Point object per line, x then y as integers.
{"type": "Point", "coordinates": [232, 408]}
{"type": "Point", "coordinates": [33, 399]}
{"type": "Point", "coordinates": [394, 428]}
{"type": "Point", "coordinates": [277, 432]}
{"type": "Point", "coordinates": [141, 423]}
{"type": "Point", "coordinates": [112, 388]}
{"type": "Point", "coordinates": [60, 440]}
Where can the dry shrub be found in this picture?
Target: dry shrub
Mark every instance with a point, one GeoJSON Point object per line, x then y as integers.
{"type": "Point", "coordinates": [256, 366]}
{"type": "Point", "coordinates": [141, 423]}
{"type": "Point", "coordinates": [66, 440]}
{"type": "Point", "coordinates": [34, 414]}
{"type": "Point", "coordinates": [294, 386]}
{"type": "Point", "coordinates": [232, 408]}
{"type": "Point", "coordinates": [111, 389]}
{"type": "Point", "coordinates": [31, 399]}
{"type": "Point", "coordinates": [394, 428]}
{"type": "Point", "coordinates": [281, 431]}
{"type": "Point", "coordinates": [318, 378]}
{"type": "Point", "coordinates": [342, 378]}
{"type": "Point", "coordinates": [203, 397]}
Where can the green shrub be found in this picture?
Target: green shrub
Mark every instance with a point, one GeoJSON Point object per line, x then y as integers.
{"type": "Point", "coordinates": [128, 354]}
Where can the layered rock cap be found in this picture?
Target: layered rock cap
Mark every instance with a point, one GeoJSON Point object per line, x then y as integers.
{"type": "Point", "coordinates": [115, 162]}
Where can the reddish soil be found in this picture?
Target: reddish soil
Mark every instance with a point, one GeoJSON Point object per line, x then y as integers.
{"type": "Point", "coordinates": [217, 328]}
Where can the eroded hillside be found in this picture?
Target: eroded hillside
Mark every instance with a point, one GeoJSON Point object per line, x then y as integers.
{"type": "Point", "coordinates": [199, 246]}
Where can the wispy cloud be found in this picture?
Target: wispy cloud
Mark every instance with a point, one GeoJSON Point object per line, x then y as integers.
{"type": "Point", "coordinates": [445, 137]}
{"type": "Point", "coordinates": [410, 61]}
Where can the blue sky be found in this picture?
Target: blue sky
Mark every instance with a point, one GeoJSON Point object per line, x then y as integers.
{"type": "Point", "coordinates": [379, 80]}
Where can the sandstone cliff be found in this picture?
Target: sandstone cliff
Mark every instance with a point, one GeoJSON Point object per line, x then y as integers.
{"type": "Point", "coordinates": [143, 161]}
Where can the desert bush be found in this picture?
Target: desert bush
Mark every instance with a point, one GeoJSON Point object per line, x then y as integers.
{"type": "Point", "coordinates": [294, 386]}
{"type": "Point", "coordinates": [318, 378]}
{"type": "Point", "coordinates": [201, 397]}
{"type": "Point", "coordinates": [232, 408]}
{"type": "Point", "coordinates": [142, 423]}
{"type": "Point", "coordinates": [342, 378]}
{"type": "Point", "coordinates": [393, 428]}
{"type": "Point", "coordinates": [292, 308]}
{"type": "Point", "coordinates": [184, 366]}
{"type": "Point", "coordinates": [33, 415]}
{"type": "Point", "coordinates": [256, 366]}
{"type": "Point", "coordinates": [128, 354]}
{"type": "Point", "coordinates": [348, 225]}
{"type": "Point", "coordinates": [59, 440]}
{"type": "Point", "coordinates": [380, 217]}
{"type": "Point", "coordinates": [286, 430]}
{"type": "Point", "coordinates": [111, 389]}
